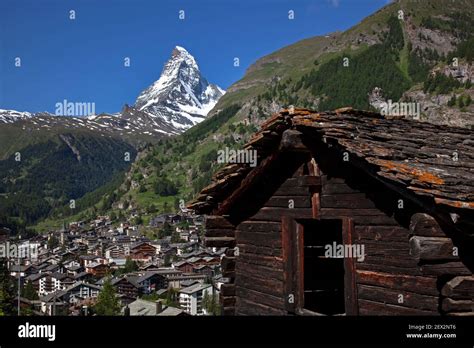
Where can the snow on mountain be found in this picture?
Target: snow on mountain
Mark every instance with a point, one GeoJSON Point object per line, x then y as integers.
{"type": "Point", "coordinates": [10, 116]}
{"type": "Point", "coordinates": [181, 97]}
{"type": "Point", "coordinates": [178, 100]}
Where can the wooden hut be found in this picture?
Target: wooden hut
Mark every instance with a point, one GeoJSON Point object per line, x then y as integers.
{"type": "Point", "coordinates": [346, 213]}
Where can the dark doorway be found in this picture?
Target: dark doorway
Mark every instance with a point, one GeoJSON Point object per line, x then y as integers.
{"type": "Point", "coordinates": [323, 275]}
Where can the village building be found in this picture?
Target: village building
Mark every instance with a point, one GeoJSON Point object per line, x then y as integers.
{"type": "Point", "coordinates": [98, 270]}
{"type": "Point", "coordinates": [190, 298]}
{"type": "Point", "coordinates": [141, 307]}
{"type": "Point", "coordinates": [81, 290]}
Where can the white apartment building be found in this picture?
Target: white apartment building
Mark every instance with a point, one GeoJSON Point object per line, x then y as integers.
{"type": "Point", "coordinates": [190, 298]}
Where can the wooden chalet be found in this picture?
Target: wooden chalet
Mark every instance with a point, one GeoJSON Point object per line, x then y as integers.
{"type": "Point", "coordinates": [399, 191]}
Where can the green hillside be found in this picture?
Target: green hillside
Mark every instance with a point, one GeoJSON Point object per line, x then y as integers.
{"type": "Point", "coordinates": [50, 170]}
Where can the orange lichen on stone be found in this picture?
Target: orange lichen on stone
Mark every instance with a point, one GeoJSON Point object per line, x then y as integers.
{"type": "Point", "coordinates": [406, 169]}
{"type": "Point", "coordinates": [344, 109]}
{"type": "Point", "coordinates": [456, 204]}
{"type": "Point", "coordinates": [299, 111]}
{"type": "Point", "coordinates": [303, 121]}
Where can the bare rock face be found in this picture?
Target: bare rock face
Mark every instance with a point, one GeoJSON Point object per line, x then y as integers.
{"type": "Point", "coordinates": [426, 38]}
{"type": "Point", "coordinates": [462, 72]}
{"type": "Point", "coordinates": [376, 98]}
{"type": "Point", "coordinates": [435, 109]}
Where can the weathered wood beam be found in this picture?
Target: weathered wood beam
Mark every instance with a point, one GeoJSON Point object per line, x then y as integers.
{"type": "Point", "coordinates": [228, 290]}
{"type": "Point", "coordinates": [247, 307]}
{"type": "Point", "coordinates": [398, 297]}
{"type": "Point", "coordinates": [367, 307]}
{"type": "Point", "coordinates": [227, 301]}
{"type": "Point", "coordinates": [450, 305]}
{"type": "Point", "coordinates": [259, 226]}
{"type": "Point", "coordinates": [275, 214]}
{"type": "Point", "coordinates": [287, 201]}
{"type": "Point", "coordinates": [382, 234]}
{"type": "Point", "coordinates": [309, 180]}
{"type": "Point", "coordinates": [459, 288]}
{"type": "Point", "coordinates": [269, 286]}
{"type": "Point", "coordinates": [277, 302]}
{"type": "Point", "coordinates": [425, 225]}
{"type": "Point", "coordinates": [216, 221]}
{"type": "Point", "coordinates": [447, 268]}
{"type": "Point", "coordinates": [228, 311]}
{"type": "Point", "coordinates": [347, 201]}
{"type": "Point", "coordinates": [421, 285]}
{"type": "Point", "coordinates": [291, 187]}
{"type": "Point", "coordinates": [220, 232]}
{"type": "Point", "coordinates": [292, 140]}
{"type": "Point", "coordinates": [432, 248]}
{"type": "Point", "coordinates": [228, 263]}
{"type": "Point", "coordinates": [219, 242]}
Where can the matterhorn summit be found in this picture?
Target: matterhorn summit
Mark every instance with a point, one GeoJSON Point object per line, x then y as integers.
{"type": "Point", "coordinates": [181, 97]}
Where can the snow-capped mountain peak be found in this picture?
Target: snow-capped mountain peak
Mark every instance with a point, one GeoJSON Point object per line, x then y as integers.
{"type": "Point", "coordinates": [181, 97]}
{"type": "Point", "coordinates": [10, 116]}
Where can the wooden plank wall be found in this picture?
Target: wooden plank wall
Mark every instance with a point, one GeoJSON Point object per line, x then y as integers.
{"type": "Point", "coordinates": [397, 276]}
{"type": "Point", "coordinates": [259, 284]}
{"type": "Point", "coordinates": [393, 279]}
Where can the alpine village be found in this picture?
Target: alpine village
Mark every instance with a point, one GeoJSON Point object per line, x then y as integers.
{"type": "Point", "coordinates": [335, 178]}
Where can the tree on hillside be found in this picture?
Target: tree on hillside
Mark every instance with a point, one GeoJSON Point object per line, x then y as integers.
{"type": "Point", "coordinates": [167, 261]}
{"type": "Point", "coordinates": [468, 100]}
{"type": "Point", "coordinates": [138, 220]}
{"type": "Point", "coordinates": [176, 204]}
{"type": "Point", "coordinates": [130, 266]}
{"type": "Point", "coordinates": [113, 216]}
{"type": "Point", "coordinates": [53, 242]}
{"type": "Point", "coordinates": [452, 101]}
{"type": "Point", "coordinates": [172, 298]}
{"type": "Point", "coordinates": [175, 238]}
{"type": "Point", "coordinates": [167, 229]}
{"type": "Point", "coordinates": [107, 302]}
{"type": "Point", "coordinates": [29, 292]}
{"type": "Point", "coordinates": [210, 303]}
{"type": "Point", "coordinates": [7, 291]}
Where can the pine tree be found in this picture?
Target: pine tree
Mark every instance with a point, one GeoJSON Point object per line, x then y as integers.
{"type": "Point", "coordinates": [171, 297]}
{"type": "Point", "coordinates": [107, 302]}
{"type": "Point", "coordinates": [29, 292]}
{"type": "Point", "coordinates": [468, 100]}
{"type": "Point", "coordinates": [130, 266]}
{"type": "Point", "coordinates": [7, 291]}
{"type": "Point", "coordinates": [452, 101]}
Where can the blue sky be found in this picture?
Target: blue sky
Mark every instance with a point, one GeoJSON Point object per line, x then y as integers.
{"type": "Point", "coordinates": [82, 59]}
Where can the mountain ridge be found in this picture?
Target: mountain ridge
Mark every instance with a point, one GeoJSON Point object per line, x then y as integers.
{"type": "Point", "coordinates": [178, 100]}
